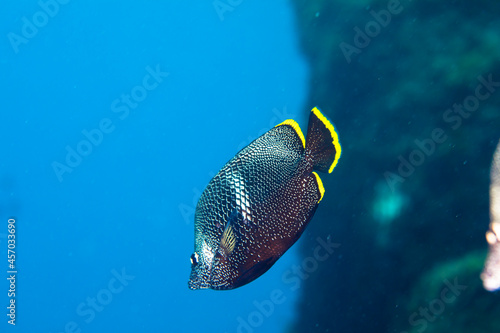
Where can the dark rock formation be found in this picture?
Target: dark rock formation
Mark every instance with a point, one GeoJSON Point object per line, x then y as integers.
{"type": "Point", "coordinates": [418, 122]}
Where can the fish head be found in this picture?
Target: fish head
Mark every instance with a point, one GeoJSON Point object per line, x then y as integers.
{"type": "Point", "coordinates": [211, 267]}
{"type": "Point", "coordinates": [202, 261]}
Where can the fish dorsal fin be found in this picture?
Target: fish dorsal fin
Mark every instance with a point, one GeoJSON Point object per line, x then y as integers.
{"type": "Point", "coordinates": [296, 127]}
{"type": "Point", "coordinates": [228, 241]}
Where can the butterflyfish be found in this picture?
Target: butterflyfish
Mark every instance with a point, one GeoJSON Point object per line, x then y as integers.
{"type": "Point", "coordinates": [257, 206]}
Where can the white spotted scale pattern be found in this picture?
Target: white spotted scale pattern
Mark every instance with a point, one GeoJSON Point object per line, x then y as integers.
{"type": "Point", "coordinates": [266, 194]}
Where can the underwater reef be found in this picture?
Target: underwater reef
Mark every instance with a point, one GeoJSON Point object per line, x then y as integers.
{"type": "Point", "coordinates": [413, 88]}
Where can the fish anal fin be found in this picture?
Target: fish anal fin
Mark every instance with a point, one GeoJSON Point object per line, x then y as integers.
{"type": "Point", "coordinates": [321, 188]}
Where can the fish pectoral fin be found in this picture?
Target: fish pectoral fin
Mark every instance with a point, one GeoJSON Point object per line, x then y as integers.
{"type": "Point", "coordinates": [228, 240]}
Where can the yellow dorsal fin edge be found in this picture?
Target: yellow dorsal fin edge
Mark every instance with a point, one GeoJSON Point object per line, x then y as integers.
{"type": "Point", "coordinates": [335, 137]}
{"type": "Point", "coordinates": [320, 186]}
{"type": "Point", "coordinates": [297, 129]}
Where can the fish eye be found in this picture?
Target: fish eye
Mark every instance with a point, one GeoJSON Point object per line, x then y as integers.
{"type": "Point", "coordinates": [194, 259]}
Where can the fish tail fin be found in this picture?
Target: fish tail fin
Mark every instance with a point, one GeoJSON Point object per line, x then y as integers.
{"type": "Point", "coordinates": [322, 142]}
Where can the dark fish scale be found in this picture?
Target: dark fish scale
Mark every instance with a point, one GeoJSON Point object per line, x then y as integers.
{"type": "Point", "coordinates": [255, 208]}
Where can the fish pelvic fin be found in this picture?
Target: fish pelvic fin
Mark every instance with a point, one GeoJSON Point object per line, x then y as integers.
{"type": "Point", "coordinates": [322, 142]}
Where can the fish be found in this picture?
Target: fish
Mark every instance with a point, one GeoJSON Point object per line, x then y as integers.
{"type": "Point", "coordinates": [491, 271]}
{"type": "Point", "coordinates": [258, 205]}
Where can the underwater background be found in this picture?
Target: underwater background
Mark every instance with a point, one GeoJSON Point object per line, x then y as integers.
{"type": "Point", "coordinates": [116, 115]}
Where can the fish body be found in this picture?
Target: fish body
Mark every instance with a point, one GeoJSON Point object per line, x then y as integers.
{"type": "Point", "coordinates": [257, 206]}
{"type": "Point", "coordinates": [491, 272]}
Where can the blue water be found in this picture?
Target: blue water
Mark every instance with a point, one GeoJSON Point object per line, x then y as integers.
{"type": "Point", "coordinates": [102, 186]}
